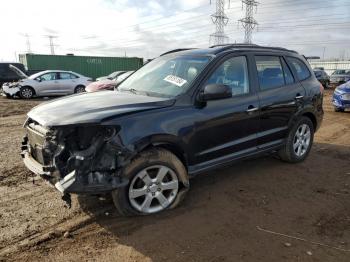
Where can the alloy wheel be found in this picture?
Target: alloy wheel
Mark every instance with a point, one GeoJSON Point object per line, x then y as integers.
{"type": "Point", "coordinates": [80, 89]}
{"type": "Point", "coordinates": [301, 140]}
{"type": "Point", "coordinates": [153, 189]}
{"type": "Point", "coordinates": [26, 93]}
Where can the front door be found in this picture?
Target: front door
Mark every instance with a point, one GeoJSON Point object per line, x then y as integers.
{"type": "Point", "coordinates": [47, 84]}
{"type": "Point", "coordinates": [226, 129]}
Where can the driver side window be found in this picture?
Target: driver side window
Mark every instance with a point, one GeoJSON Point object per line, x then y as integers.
{"type": "Point", "coordinates": [48, 77]}
{"type": "Point", "coordinates": [233, 73]}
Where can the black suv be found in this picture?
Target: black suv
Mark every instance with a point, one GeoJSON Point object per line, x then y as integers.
{"type": "Point", "coordinates": [184, 113]}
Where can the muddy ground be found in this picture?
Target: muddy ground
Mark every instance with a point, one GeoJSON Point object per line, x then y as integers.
{"type": "Point", "coordinates": [248, 212]}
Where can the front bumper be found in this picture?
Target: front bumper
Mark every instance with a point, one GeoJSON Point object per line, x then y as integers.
{"type": "Point", "coordinates": [339, 102]}
{"type": "Point", "coordinates": [11, 91]}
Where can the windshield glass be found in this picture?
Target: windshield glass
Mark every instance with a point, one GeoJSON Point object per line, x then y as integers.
{"type": "Point", "coordinates": [166, 76]}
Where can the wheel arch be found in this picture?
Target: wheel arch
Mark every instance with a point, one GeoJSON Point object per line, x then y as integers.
{"type": "Point", "coordinates": [312, 117]}
{"type": "Point", "coordinates": [167, 142]}
{"type": "Point", "coordinates": [29, 87]}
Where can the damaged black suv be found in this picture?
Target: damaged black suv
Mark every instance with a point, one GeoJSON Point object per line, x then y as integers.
{"type": "Point", "coordinates": [181, 114]}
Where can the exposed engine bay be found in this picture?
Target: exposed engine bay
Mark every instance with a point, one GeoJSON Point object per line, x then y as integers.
{"type": "Point", "coordinates": [75, 159]}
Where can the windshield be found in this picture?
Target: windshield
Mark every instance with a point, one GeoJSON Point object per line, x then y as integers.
{"type": "Point", "coordinates": [166, 76]}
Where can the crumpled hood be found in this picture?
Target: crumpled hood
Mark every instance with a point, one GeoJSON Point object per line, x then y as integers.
{"type": "Point", "coordinates": [89, 108]}
{"type": "Point", "coordinates": [100, 85]}
{"type": "Point", "coordinates": [344, 88]}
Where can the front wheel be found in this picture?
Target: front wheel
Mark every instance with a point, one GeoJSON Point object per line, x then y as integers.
{"type": "Point", "coordinates": [26, 92]}
{"type": "Point", "coordinates": [299, 141]}
{"type": "Point", "coordinates": [157, 181]}
{"type": "Point", "coordinates": [338, 109]}
{"type": "Point", "coordinates": [79, 89]}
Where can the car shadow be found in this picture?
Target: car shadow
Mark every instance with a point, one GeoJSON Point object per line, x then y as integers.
{"type": "Point", "coordinates": [230, 198]}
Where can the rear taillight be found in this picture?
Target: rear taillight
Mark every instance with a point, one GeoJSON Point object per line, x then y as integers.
{"type": "Point", "coordinates": [321, 88]}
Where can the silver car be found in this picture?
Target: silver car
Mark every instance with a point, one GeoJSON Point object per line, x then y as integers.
{"type": "Point", "coordinates": [48, 83]}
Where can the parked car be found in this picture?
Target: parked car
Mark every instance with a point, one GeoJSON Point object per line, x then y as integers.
{"type": "Point", "coordinates": [339, 77]}
{"type": "Point", "coordinates": [182, 114]}
{"type": "Point", "coordinates": [110, 76]}
{"type": "Point", "coordinates": [8, 72]}
{"type": "Point", "coordinates": [341, 97]}
{"type": "Point", "coordinates": [107, 84]}
{"type": "Point", "coordinates": [322, 77]}
{"type": "Point", "coordinates": [48, 83]}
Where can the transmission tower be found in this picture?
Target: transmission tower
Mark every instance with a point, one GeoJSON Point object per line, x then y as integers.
{"type": "Point", "coordinates": [51, 43]}
{"type": "Point", "coordinates": [220, 20]}
{"type": "Point", "coordinates": [248, 22]}
{"type": "Point", "coordinates": [28, 43]}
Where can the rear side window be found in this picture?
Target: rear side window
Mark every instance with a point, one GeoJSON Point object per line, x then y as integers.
{"type": "Point", "coordinates": [288, 77]}
{"type": "Point", "coordinates": [270, 72]}
{"type": "Point", "coordinates": [299, 67]}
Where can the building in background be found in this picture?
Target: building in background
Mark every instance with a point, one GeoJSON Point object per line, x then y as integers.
{"type": "Point", "coordinates": [91, 66]}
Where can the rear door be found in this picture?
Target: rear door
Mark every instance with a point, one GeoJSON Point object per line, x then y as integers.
{"type": "Point", "coordinates": [280, 97]}
{"type": "Point", "coordinates": [67, 83]}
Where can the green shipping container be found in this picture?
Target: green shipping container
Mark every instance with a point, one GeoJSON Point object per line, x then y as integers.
{"type": "Point", "coordinates": [91, 66]}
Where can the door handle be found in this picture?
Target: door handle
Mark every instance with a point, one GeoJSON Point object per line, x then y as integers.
{"type": "Point", "coordinates": [299, 97]}
{"type": "Point", "coordinates": [252, 109]}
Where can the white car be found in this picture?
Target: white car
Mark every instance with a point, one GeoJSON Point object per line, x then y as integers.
{"type": "Point", "coordinates": [47, 83]}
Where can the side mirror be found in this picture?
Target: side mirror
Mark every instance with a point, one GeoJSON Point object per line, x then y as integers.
{"type": "Point", "coordinates": [38, 79]}
{"type": "Point", "coordinates": [215, 92]}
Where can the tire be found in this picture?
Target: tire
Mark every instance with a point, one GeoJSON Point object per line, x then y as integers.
{"type": "Point", "coordinates": [296, 139]}
{"type": "Point", "coordinates": [79, 89]}
{"type": "Point", "coordinates": [337, 109]}
{"type": "Point", "coordinates": [26, 92]}
{"type": "Point", "coordinates": [165, 176]}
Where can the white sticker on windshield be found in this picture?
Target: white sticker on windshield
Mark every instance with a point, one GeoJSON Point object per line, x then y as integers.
{"type": "Point", "coordinates": [178, 81]}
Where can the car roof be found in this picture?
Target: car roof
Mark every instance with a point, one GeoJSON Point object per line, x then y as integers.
{"type": "Point", "coordinates": [216, 49]}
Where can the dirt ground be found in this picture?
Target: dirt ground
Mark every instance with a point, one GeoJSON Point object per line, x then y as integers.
{"type": "Point", "coordinates": [256, 210]}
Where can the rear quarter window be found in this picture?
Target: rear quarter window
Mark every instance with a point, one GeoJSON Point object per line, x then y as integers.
{"type": "Point", "coordinates": [300, 68]}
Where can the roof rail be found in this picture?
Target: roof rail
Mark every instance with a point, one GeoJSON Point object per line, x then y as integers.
{"type": "Point", "coordinates": [229, 46]}
{"type": "Point", "coordinates": [176, 50]}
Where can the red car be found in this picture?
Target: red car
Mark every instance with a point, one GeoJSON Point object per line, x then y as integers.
{"type": "Point", "coordinates": [107, 84]}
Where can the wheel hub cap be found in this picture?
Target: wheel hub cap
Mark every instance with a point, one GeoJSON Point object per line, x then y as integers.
{"type": "Point", "coordinates": [302, 140]}
{"type": "Point", "coordinates": [153, 189]}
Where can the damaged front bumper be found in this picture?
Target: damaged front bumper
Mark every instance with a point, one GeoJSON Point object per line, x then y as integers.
{"type": "Point", "coordinates": [10, 90]}
{"type": "Point", "coordinates": [93, 168]}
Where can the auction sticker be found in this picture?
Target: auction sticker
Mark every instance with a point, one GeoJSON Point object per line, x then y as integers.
{"type": "Point", "coordinates": [178, 81]}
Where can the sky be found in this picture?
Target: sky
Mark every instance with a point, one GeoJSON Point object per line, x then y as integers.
{"type": "Point", "coordinates": [148, 28]}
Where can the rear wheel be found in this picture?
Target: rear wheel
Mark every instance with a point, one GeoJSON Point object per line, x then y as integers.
{"type": "Point", "coordinates": [156, 180]}
{"type": "Point", "coordinates": [79, 89]}
{"type": "Point", "coordinates": [26, 92]}
{"type": "Point", "coordinates": [299, 141]}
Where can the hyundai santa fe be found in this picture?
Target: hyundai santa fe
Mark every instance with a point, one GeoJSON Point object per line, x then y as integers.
{"type": "Point", "coordinates": [184, 113]}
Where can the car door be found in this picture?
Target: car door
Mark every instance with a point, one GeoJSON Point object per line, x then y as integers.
{"type": "Point", "coordinates": [226, 129]}
{"type": "Point", "coordinates": [47, 84]}
{"type": "Point", "coordinates": [66, 83]}
{"type": "Point", "coordinates": [280, 97]}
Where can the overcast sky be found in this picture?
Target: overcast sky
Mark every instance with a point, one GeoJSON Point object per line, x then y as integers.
{"type": "Point", "coordinates": [147, 28]}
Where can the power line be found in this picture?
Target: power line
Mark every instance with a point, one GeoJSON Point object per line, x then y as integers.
{"type": "Point", "coordinates": [248, 22]}
{"type": "Point", "coordinates": [220, 20]}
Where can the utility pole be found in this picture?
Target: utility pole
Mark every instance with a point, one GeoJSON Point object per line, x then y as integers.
{"type": "Point", "coordinates": [220, 20]}
{"type": "Point", "coordinates": [51, 43]}
{"type": "Point", "coordinates": [248, 22]}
